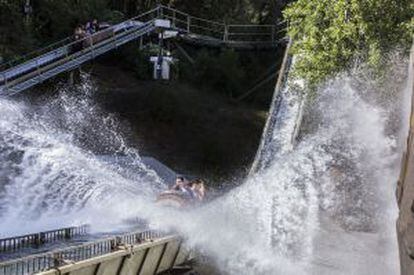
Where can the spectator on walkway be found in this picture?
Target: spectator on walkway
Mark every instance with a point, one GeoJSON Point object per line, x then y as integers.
{"type": "Point", "coordinates": [89, 28]}
{"type": "Point", "coordinates": [95, 25]}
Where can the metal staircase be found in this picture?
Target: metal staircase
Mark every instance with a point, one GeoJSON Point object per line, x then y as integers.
{"type": "Point", "coordinates": [66, 55]}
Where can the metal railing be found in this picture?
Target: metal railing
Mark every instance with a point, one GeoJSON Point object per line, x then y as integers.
{"type": "Point", "coordinates": [232, 33]}
{"type": "Point", "coordinates": [16, 243]}
{"type": "Point", "coordinates": [60, 257]}
{"type": "Point", "coordinates": [180, 20]}
{"type": "Point", "coordinates": [66, 45]}
{"type": "Point", "coordinates": [34, 54]}
{"type": "Point", "coordinates": [70, 60]}
{"type": "Point", "coordinates": [149, 15]}
{"type": "Point", "coordinates": [67, 54]}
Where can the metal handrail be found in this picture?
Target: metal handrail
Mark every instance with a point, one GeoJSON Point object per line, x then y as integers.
{"type": "Point", "coordinates": [250, 34]}
{"type": "Point", "coordinates": [63, 43]}
{"type": "Point", "coordinates": [230, 34]}
{"type": "Point", "coordinates": [59, 257]}
{"type": "Point", "coordinates": [67, 47]}
{"type": "Point", "coordinates": [60, 44]}
{"type": "Point", "coordinates": [49, 66]}
{"type": "Point", "coordinates": [223, 26]}
{"type": "Point", "coordinates": [206, 29]}
{"type": "Point", "coordinates": [37, 52]}
{"type": "Point", "coordinates": [251, 26]}
{"type": "Point", "coordinates": [19, 242]}
{"type": "Point", "coordinates": [163, 7]}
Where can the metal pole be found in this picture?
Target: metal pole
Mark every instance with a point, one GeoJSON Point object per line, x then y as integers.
{"type": "Point", "coordinates": [67, 233]}
{"type": "Point", "coordinates": [93, 50]}
{"type": "Point", "coordinates": [5, 81]}
{"type": "Point", "coordinates": [158, 11]}
{"type": "Point", "coordinates": [160, 55]}
{"type": "Point", "coordinates": [28, 10]}
{"type": "Point", "coordinates": [38, 70]}
{"type": "Point", "coordinates": [42, 238]}
{"type": "Point", "coordinates": [113, 37]}
{"type": "Point", "coordinates": [226, 32]}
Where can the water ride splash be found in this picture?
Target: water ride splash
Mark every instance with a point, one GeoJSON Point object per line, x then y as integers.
{"type": "Point", "coordinates": [316, 207]}
{"type": "Point", "coordinates": [48, 179]}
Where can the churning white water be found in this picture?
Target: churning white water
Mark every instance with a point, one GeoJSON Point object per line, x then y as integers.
{"type": "Point", "coordinates": [48, 180]}
{"type": "Point", "coordinates": [323, 207]}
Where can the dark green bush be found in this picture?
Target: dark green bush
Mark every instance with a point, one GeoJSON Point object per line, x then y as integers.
{"type": "Point", "coordinates": [220, 71]}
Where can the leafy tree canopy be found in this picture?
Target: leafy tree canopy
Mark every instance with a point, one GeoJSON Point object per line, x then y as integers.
{"type": "Point", "coordinates": [330, 35]}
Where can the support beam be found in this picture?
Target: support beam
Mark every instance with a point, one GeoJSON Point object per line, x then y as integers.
{"type": "Point", "coordinates": [184, 52]}
{"type": "Point", "coordinates": [160, 258]}
{"type": "Point", "coordinates": [143, 261]}
{"type": "Point", "coordinates": [272, 76]}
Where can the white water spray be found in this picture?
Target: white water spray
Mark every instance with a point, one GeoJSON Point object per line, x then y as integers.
{"type": "Point", "coordinates": [325, 207]}
{"type": "Point", "coordinates": [48, 181]}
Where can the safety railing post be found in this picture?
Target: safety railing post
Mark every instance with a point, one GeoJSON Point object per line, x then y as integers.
{"type": "Point", "coordinates": [67, 51]}
{"type": "Point", "coordinates": [92, 46]}
{"type": "Point", "coordinates": [159, 11]}
{"type": "Point", "coordinates": [71, 54]}
{"type": "Point", "coordinates": [273, 33]}
{"type": "Point", "coordinates": [6, 84]}
{"type": "Point", "coordinates": [57, 259]}
{"type": "Point", "coordinates": [174, 17]}
{"type": "Point", "coordinates": [226, 32]}
{"type": "Point", "coordinates": [188, 23]}
{"type": "Point", "coordinates": [42, 238]}
{"type": "Point", "coordinates": [38, 69]}
{"type": "Point", "coordinates": [68, 233]}
{"type": "Point", "coordinates": [114, 40]}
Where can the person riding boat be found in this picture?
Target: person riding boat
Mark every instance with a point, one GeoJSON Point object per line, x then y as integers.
{"type": "Point", "coordinates": [183, 193]}
{"type": "Point", "coordinates": [199, 189]}
{"type": "Point", "coordinates": [180, 182]}
{"type": "Point", "coordinates": [184, 187]}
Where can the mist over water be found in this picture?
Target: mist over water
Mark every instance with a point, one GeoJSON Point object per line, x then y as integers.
{"type": "Point", "coordinates": [326, 206]}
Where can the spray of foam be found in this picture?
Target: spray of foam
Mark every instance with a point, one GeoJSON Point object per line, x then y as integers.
{"type": "Point", "coordinates": [335, 185]}
{"type": "Point", "coordinates": [48, 180]}
{"type": "Point", "coordinates": [326, 207]}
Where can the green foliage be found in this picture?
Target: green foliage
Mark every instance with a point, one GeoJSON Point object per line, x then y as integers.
{"type": "Point", "coordinates": [330, 35]}
{"type": "Point", "coordinates": [57, 19]}
{"type": "Point", "coordinates": [233, 11]}
{"type": "Point", "coordinates": [132, 58]}
{"type": "Point", "coordinates": [222, 71]}
{"type": "Point", "coordinates": [14, 38]}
